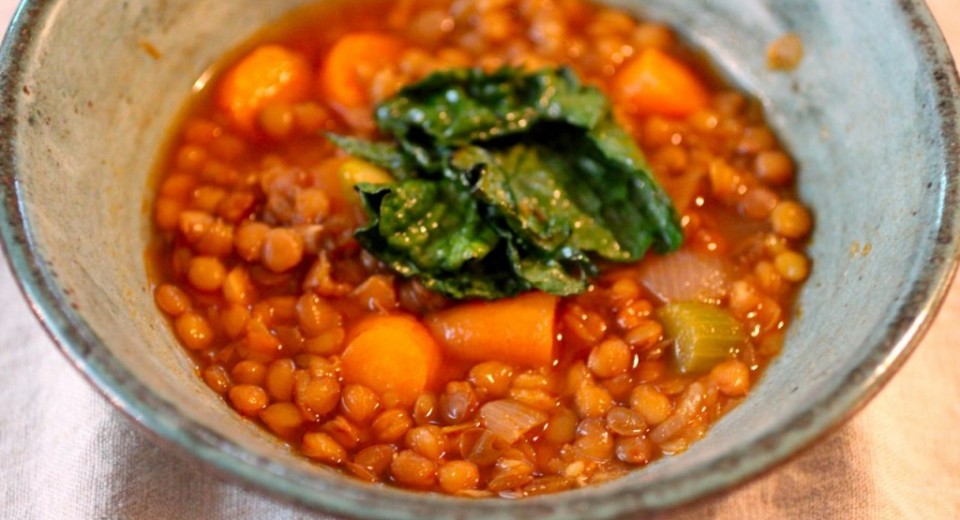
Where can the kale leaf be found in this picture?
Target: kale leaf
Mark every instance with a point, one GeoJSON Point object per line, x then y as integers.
{"type": "Point", "coordinates": [531, 187]}
{"type": "Point", "coordinates": [507, 181]}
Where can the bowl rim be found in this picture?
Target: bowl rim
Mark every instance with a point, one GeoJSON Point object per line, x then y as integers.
{"type": "Point", "coordinates": [191, 440]}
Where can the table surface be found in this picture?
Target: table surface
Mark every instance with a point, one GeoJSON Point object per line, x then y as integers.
{"type": "Point", "coordinates": [884, 463]}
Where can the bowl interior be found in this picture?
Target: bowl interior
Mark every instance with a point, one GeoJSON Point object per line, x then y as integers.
{"type": "Point", "coordinates": [864, 115]}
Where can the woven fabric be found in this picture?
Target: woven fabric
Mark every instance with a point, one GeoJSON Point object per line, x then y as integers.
{"type": "Point", "coordinates": [66, 454]}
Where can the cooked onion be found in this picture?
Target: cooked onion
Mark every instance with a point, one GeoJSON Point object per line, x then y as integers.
{"type": "Point", "coordinates": [481, 447]}
{"type": "Point", "coordinates": [510, 419]}
{"type": "Point", "coordinates": [685, 412]}
{"type": "Point", "coordinates": [685, 276]}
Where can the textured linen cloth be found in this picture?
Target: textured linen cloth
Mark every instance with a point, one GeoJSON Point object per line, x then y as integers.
{"type": "Point", "coordinates": [65, 453]}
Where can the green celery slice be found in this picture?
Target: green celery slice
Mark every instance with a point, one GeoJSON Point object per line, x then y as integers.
{"type": "Point", "coordinates": [703, 335]}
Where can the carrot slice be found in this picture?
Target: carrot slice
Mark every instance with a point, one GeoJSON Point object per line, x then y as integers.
{"type": "Point", "coordinates": [655, 83]}
{"type": "Point", "coordinates": [351, 64]}
{"type": "Point", "coordinates": [269, 74]}
{"type": "Point", "coordinates": [519, 330]}
{"type": "Point", "coordinates": [392, 353]}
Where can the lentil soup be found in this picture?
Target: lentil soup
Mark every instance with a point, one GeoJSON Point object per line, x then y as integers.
{"type": "Point", "coordinates": [393, 378]}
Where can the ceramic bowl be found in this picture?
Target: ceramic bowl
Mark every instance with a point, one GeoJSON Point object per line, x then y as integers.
{"type": "Point", "coordinates": [870, 114]}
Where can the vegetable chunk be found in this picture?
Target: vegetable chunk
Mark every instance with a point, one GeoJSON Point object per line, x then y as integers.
{"type": "Point", "coordinates": [509, 419]}
{"type": "Point", "coordinates": [519, 330]}
{"type": "Point", "coordinates": [656, 84]}
{"type": "Point", "coordinates": [269, 74]}
{"type": "Point", "coordinates": [704, 335]}
{"type": "Point", "coordinates": [686, 275]}
{"type": "Point", "coordinates": [351, 65]}
{"type": "Point", "coordinates": [392, 353]}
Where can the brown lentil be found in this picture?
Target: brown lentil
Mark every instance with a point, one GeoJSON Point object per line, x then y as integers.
{"type": "Point", "coordinates": [411, 469]}
{"type": "Point", "coordinates": [237, 287]}
{"type": "Point", "coordinates": [248, 399]}
{"type": "Point", "coordinates": [279, 381]}
{"type": "Point", "coordinates": [644, 334]}
{"type": "Point", "coordinates": [172, 300]}
{"type": "Point", "coordinates": [234, 319]}
{"type": "Point", "coordinates": [282, 249]}
{"type": "Point", "coordinates": [277, 121]}
{"type": "Point", "coordinates": [610, 358]}
{"type": "Point", "coordinates": [206, 273]}
{"type": "Point", "coordinates": [492, 379]}
{"type": "Point", "coordinates": [359, 403]}
{"type": "Point", "coordinates": [458, 475]}
{"type": "Point", "coordinates": [625, 422]}
{"type": "Point", "coordinates": [218, 240]}
{"type": "Point", "coordinates": [792, 266]}
{"type": "Point", "coordinates": [193, 330]}
{"type": "Point", "coordinates": [425, 408]}
{"type": "Point", "coordinates": [593, 401]}
{"type": "Point", "coordinates": [428, 441]}
{"type": "Point", "coordinates": [375, 459]}
{"type": "Point", "coordinates": [284, 419]}
{"type": "Point", "coordinates": [634, 450]}
{"type": "Point", "coordinates": [166, 213]}
{"type": "Point", "coordinates": [194, 225]}
{"type": "Point", "coordinates": [561, 428]}
{"type": "Point", "coordinates": [391, 425]}
{"type": "Point", "coordinates": [344, 432]}
{"type": "Point", "coordinates": [457, 402]}
{"type": "Point", "coordinates": [790, 220]}
{"type": "Point", "coordinates": [594, 441]}
{"type": "Point", "coordinates": [651, 404]}
{"type": "Point", "coordinates": [758, 202]}
{"type": "Point", "coordinates": [249, 372]}
{"type": "Point", "coordinates": [217, 378]}
{"type": "Point", "coordinates": [321, 447]}
{"type": "Point", "coordinates": [249, 239]}
{"type": "Point", "coordinates": [773, 167]}
{"type": "Point", "coordinates": [732, 377]}
{"type": "Point", "coordinates": [317, 397]}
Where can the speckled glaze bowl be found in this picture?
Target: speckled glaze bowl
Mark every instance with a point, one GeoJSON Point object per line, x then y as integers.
{"type": "Point", "coordinates": [871, 115]}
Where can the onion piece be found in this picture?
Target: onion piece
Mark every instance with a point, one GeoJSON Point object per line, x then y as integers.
{"type": "Point", "coordinates": [685, 276]}
{"type": "Point", "coordinates": [481, 447]}
{"type": "Point", "coordinates": [684, 414]}
{"type": "Point", "coordinates": [510, 419]}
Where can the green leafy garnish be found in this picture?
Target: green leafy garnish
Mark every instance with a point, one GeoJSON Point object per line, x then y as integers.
{"type": "Point", "coordinates": [507, 181]}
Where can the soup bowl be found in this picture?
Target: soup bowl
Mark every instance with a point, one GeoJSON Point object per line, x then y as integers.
{"type": "Point", "coordinates": [90, 89]}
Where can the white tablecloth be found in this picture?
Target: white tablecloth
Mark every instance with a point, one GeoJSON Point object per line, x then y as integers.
{"type": "Point", "coordinates": [65, 453]}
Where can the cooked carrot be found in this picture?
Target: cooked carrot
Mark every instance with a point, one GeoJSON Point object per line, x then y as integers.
{"type": "Point", "coordinates": [269, 74]}
{"type": "Point", "coordinates": [655, 83]}
{"type": "Point", "coordinates": [519, 330]}
{"type": "Point", "coordinates": [393, 353]}
{"type": "Point", "coordinates": [351, 65]}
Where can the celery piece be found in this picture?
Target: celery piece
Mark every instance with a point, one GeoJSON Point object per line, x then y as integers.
{"type": "Point", "coordinates": [704, 335]}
